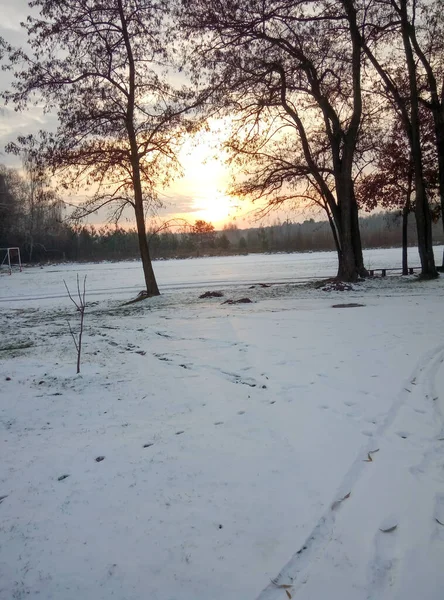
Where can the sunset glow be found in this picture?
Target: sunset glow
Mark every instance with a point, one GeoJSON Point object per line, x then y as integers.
{"type": "Point", "coordinates": [206, 177]}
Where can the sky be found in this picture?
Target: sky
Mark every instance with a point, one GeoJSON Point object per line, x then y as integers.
{"type": "Point", "coordinates": [200, 194]}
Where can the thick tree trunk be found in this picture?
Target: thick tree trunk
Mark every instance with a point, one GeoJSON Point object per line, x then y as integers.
{"type": "Point", "coordinates": [347, 270]}
{"type": "Point", "coordinates": [436, 105]}
{"type": "Point", "coordinates": [405, 223]}
{"type": "Point", "coordinates": [439, 132]}
{"type": "Point", "coordinates": [422, 210]}
{"type": "Point", "coordinates": [351, 265]}
{"type": "Point", "coordinates": [424, 229]}
{"type": "Point", "coordinates": [357, 243]}
{"type": "Point", "coordinates": [348, 242]}
{"type": "Point", "coordinates": [347, 267]}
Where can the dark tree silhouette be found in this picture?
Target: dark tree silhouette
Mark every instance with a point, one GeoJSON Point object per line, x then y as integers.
{"type": "Point", "coordinates": [390, 184]}
{"type": "Point", "coordinates": [291, 72]}
{"type": "Point", "coordinates": [103, 67]}
{"type": "Point", "coordinates": [204, 234]}
{"type": "Point", "coordinates": [388, 45]}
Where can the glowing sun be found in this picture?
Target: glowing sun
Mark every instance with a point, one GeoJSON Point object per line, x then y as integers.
{"type": "Point", "coordinates": [206, 177]}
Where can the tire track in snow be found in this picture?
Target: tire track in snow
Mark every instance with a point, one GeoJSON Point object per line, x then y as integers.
{"type": "Point", "coordinates": [296, 572]}
{"type": "Point", "coordinates": [403, 560]}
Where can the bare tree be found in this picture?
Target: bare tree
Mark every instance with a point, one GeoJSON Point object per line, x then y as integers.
{"type": "Point", "coordinates": [388, 179]}
{"type": "Point", "coordinates": [80, 305]}
{"type": "Point", "coordinates": [426, 32]}
{"type": "Point", "coordinates": [388, 45]}
{"type": "Point", "coordinates": [291, 72]}
{"type": "Point", "coordinates": [104, 67]}
{"type": "Point", "coordinates": [41, 205]}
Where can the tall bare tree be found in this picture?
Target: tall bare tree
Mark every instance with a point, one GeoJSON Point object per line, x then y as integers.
{"type": "Point", "coordinates": [387, 43]}
{"type": "Point", "coordinates": [103, 66]}
{"type": "Point", "coordinates": [426, 32]}
{"type": "Point", "coordinates": [291, 72]}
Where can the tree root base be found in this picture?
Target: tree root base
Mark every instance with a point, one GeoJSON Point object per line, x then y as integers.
{"type": "Point", "coordinates": [427, 276]}
{"type": "Point", "coordinates": [143, 295]}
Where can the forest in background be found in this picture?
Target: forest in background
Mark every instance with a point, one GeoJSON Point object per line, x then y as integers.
{"type": "Point", "coordinates": [32, 218]}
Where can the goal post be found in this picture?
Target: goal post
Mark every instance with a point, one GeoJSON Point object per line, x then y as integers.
{"type": "Point", "coordinates": [10, 258]}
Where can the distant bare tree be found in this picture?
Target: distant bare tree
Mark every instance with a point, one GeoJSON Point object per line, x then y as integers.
{"type": "Point", "coordinates": [42, 207]}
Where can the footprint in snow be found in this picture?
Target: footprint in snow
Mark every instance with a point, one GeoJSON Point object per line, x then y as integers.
{"type": "Point", "coordinates": [179, 432]}
{"type": "Point", "coordinates": [219, 423]}
{"type": "Point", "coordinates": [383, 567]}
{"type": "Point", "coordinates": [403, 434]}
{"type": "Point", "coordinates": [439, 509]}
{"type": "Point", "coordinates": [240, 412]}
{"type": "Point", "coordinates": [389, 524]}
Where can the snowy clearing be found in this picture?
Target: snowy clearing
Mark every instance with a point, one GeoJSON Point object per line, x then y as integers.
{"type": "Point", "coordinates": [277, 449]}
{"type": "Point", "coordinates": [123, 279]}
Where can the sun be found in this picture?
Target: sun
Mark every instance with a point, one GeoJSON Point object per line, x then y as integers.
{"type": "Point", "coordinates": [206, 176]}
{"type": "Point", "coordinates": [209, 178]}
{"type": "Point", "coordinates": [214, 207]}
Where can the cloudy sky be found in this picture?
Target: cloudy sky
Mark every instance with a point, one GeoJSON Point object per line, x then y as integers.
{"type": "Point", "coordinates": [200, 194]}
{"type": "Point", "coordinates": [13, 124]}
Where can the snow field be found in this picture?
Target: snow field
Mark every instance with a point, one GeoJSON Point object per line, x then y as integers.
{"type": "Point", "coordinates": [122, 279]}
{"type": "Point", "coordinates": [231, 436]}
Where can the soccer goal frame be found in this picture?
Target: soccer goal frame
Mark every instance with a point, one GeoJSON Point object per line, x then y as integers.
{"type": "Point", "coordinates": [6, 254]}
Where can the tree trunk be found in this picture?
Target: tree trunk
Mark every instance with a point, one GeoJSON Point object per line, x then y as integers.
{"type": "Point", "coordinates": [437, 108]}
{"type": "Point", "coordinates": [357, 243]}
{"type": "Point", "coordinates": [422, 210]}
{"type": "Point", "coordinates": [347, 270]}
{"type": "Point", "coordinates": [351, 266]}
{"type": "Point", "coordinates": [352, 259]}
{"type": "Point", "coordinates": [150, 279]}
{"type": "Point", "coordinates": [334, 232]}
{"type": "Point", "coordinates": [31, 248]}
{"type": "Point", "coordinates": [405, 222]}
{"type": "Point", "coordinates": [439, 132]}
{"type": "Point", "coordinates": [424, 229]}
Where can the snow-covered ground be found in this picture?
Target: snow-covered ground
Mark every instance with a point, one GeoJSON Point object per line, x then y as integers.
{"type": "Point", "coordinates": [117, 280]}
{"type": "Point", "coordinates": [277, 449]}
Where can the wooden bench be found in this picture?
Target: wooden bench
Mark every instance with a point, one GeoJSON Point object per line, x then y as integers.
{"type": "Point", "coordinates": [399, 269]}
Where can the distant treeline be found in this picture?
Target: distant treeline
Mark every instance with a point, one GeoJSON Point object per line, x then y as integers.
{"type": "Point", "coordinates": [31, 217]}
{"type": "Point", "coordinates": [55, 240]}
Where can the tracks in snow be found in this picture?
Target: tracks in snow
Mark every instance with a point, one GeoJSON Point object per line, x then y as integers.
{"type": "Point", "coordinates": [403, 477]}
